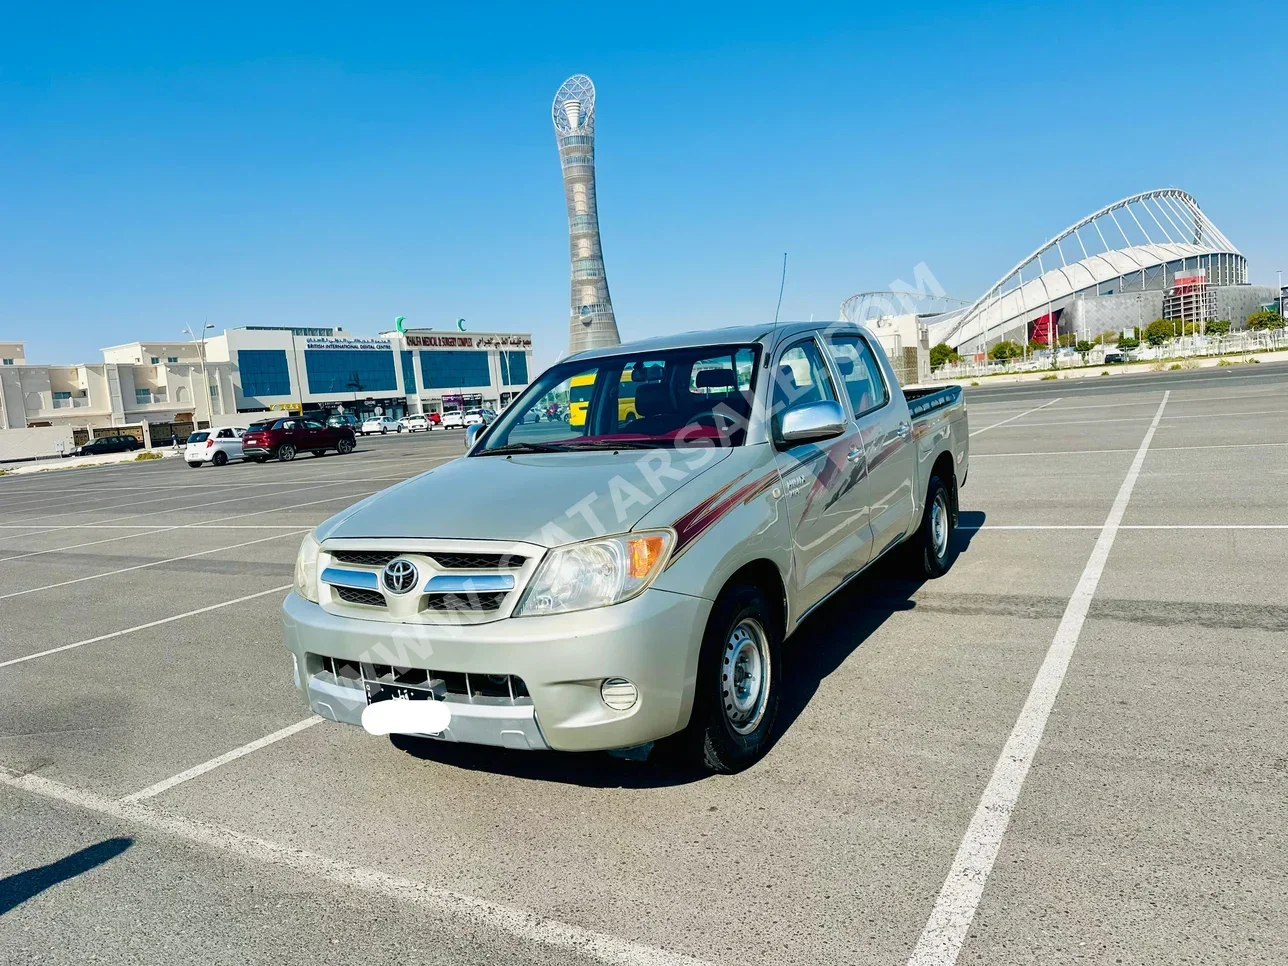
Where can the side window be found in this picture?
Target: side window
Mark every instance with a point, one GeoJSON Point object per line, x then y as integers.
{"type": "Point", "coordinates": [288, 424]}
{"type": "Point", "coordinates": [312, 424]}
{"type": "Point", "coordinates": [860, 373]}
{"type": "Point", "coordinates": [801, 377]}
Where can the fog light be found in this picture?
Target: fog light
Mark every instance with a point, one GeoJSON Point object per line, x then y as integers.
{"type": "Point", "coordinates": [619, 694]}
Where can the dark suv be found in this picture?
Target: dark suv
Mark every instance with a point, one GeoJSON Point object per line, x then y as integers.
{"type": "Point", "coordinates": [283, 438]}
{"type": "Point", "coordinates": [107, 444]}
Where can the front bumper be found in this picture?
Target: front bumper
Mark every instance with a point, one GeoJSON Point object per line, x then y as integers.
{"type": "Point", "coordinates": [651, 641]}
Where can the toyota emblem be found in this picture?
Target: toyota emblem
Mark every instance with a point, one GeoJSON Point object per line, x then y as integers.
{"type": "Point", "coordinates": [400, 576]}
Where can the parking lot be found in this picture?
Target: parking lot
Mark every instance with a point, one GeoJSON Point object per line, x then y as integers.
{"type": "Point", "coordinates": [1116, 616]}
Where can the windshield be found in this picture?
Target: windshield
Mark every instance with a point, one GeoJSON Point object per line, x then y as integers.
{"type": "Point", "coordinates": [696, 396]}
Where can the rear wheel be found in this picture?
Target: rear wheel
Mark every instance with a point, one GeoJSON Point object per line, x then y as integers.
{"type": "Point", "coordinates": [286, 452]}
{"type": "Point", "coordinates": [220, 458]}
{"type": "Point", "coordinates": [931, 548]}
{"type": "Point", "coordinates": [344, 447]}
{"type": "Point", "coordinates": [195, 466]}
{"type": "Point", "coordinates": [260, 459]}
{"type": "Point", "coordinates": [739, 669]}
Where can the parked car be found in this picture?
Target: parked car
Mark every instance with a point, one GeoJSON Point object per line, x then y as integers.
{"type": "Point", "coordinates": [416, 424]}
{"type": "Point", "coordinates": [475, 417]}
{"type": "Point", "coordinates": [216, 446]}
{"type": "Point", "coordinates": [452, 419]}
{"type": "Point", "coordinates": [107, 444]}
{"type": "Point", "coordinates": [780, 462]}
{"type": "Point", "coordinates": [380, 424]}
{"type": "Point", "coordinates": [338, 420]}
{"type": "Point", "coordinates": [284, 438]}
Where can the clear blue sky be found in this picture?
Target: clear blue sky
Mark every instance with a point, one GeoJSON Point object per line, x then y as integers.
{"type": "Point", "coordinates": [343, 165]}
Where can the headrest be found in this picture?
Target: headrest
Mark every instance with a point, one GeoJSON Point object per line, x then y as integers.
{"type": "Point", "coordinates": [651, 398]}
{"type": "Point", "coordinates": [787, 377]}
{"type": "Point", "coordinates": [716, 379]}
{"type": "Point", "coordinates": [643, 373]}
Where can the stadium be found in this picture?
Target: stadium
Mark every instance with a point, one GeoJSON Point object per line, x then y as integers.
{"type": "Point", "coordinates": [1152, 255]}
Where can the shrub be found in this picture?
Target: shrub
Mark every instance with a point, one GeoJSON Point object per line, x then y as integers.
{"type": "Point", "coordinates": [1218, 327]}
{"type": "Point", "coordinates": [1265, 319]}
{"type": "Point", "coordinates": [1128, 344]}
{"type": "Point", "coordinates": [1084, 346]}
{"type": "Point", "coordinates": [1105, 372]}
{"type": "Point", "coordinates": [1255, 361]}
{"type": "Point", "coordinates": [974, 382]}
{"type": "Point", "coordinates": [1175, 366]}
{"type": "Point", "coordinates": [145, 455]}
{"type": "Point", "coordinates": [1159, 331]}
{"type": "Point", "coordinates": [941, 354]}
{"type": "Point", "coordinates": [1225, 362]}
{"type": "Point", "coordinates": [1005, 350]}
{"type": "Point", "coordinates": [1049, 376]}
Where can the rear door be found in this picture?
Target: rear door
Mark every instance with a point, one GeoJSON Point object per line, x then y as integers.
{"type": "Point", "coordinates": [889, 452]}
{"type": "Point", "coordinates": [822, 482]}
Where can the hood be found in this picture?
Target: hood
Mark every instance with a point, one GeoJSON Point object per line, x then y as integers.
{"type": "Point", "coordinates": [545, 499]}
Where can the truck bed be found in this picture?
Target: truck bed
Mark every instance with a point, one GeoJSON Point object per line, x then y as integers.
{"type": "Point", "coordinates": [923, 402]}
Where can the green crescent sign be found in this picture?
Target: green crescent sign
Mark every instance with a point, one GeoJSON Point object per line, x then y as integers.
{"type": "Point", "coordinates": [398, 323]}
{"type": "Point", "coordinates": [460, 324]}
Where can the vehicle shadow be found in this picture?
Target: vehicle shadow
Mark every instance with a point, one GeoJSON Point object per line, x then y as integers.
{"type": "Point", "coordinates": [820, 645]}
{"type": "Point", "coordinates": [840, 626]}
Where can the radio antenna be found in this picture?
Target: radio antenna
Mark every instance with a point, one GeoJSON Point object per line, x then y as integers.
{"type": "Point", "coordinates": [781, 284]}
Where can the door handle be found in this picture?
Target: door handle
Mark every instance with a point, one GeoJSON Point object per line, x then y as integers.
{"type": "Point", "coordinates": [854, 454]}
{"type": "Point", "coordinates": [904, 430]}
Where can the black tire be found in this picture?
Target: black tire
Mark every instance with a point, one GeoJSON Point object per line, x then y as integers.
{"type": "Point", "coordinates": [319, 452]}
{"type": "Point", "coordinates": [195, 466]}
{"type": "Point", "coordinates": [220, 458]}
{"type": "Point", "coordinates": [930, 550]}
{"type": "Point", "coordinates": [384, 430]}
{"type": "Point", "coordinates": [260, 459]}
{"type": "Point", "coordinates": [286, 452]}
{"type": "Point", "coordinates": [712, 739]}
{"type": "Point", "coordinates": [344, 447]}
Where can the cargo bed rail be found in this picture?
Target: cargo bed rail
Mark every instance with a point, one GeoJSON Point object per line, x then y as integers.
{"type": "Point", "coordinates": [923, 402]}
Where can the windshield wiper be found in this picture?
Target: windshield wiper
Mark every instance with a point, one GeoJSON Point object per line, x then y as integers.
{"type": "Point", "coordinates": [509, 448]}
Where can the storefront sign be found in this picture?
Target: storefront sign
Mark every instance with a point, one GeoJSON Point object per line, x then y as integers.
{"type": "Point", "coordinates": [442, 341]}
{"type": "Point", "coordinates": [376, 344]}
{"type": "Point", "coordinates": [503, 342]}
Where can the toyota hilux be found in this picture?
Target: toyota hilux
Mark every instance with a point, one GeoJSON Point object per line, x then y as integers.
{"type": "Point", "coordinates": [633, 575]}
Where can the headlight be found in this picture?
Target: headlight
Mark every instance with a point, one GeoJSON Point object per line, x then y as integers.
{"type": "Point", "coordinates": [596, 573]}
{"type": "Point", "coordinates": [306, 569]}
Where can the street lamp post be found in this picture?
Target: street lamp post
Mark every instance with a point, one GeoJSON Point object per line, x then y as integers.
{"type": "Point", "coordinates": [201, 358]}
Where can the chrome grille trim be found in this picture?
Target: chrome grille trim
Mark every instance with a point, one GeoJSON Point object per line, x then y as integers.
{"type": "Point", "coordinates": [443, 595]}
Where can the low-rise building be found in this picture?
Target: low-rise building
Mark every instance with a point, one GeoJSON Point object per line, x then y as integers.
{"type": "Point", "coordinates": [397, 373]}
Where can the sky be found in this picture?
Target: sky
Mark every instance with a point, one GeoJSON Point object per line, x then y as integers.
{"type": "Point", "coordinates": [326, 164]}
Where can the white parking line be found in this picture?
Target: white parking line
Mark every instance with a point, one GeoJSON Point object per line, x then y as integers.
{"type": "Point", "coordinates": [153, 790]}
{"type": "Point", "coordinates": [142, 627]}
{"type": "Point", "coordinates": [154, 563]}
{"type": "Point", "coordinates": [1141, 419]}
{"type": "Point", "coordinates": [470, 910]}
{"type": "Point", "coordinates": [954, 910]}
{"type": "Point", "coordinates": [145, 526]}
{"type": "Point", "coordinates": [1129, 526]}
{"type": "Point", "coordinates": [1153, 449]}
{"type": "Point", "coordinates": [1016, 416]}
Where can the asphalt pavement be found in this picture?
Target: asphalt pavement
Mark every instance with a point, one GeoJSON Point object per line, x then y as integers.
{"type": "Point", "coordinates": [1068, 749]}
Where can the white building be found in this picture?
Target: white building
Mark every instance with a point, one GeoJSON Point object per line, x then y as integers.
{"type": "Point", "coordinates": [422, 370]}
{"type": "Point", "coordinates": [155, 399]}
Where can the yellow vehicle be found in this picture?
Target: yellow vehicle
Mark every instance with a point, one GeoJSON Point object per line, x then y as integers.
{"type": "Point", "coordinates": [580, 388]}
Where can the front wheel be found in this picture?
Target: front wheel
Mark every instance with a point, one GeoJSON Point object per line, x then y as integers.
{"type": "Point", "coordinates": [384, 431]}
{"type": "Point", "coordinates": [931, 547]}
{"type": "Point", "coordinates": [286, 452]}
{"type": "Point", "coordinates": [344, 447]}
{"type": "Point", "coordinates": [739, 670]}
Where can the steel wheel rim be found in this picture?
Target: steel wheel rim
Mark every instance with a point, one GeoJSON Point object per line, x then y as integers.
{"type": "Point", "coordinates": [287, 450]}
{"type": "Point", "coordinates": [939, 526]}
{"type": "Point", "coordinates": [745, 677]}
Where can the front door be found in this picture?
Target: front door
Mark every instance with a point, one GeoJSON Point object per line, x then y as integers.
{"type": "Point", "coordinates": [888, 449]}
{"type": "Point", "coordinates": [822, 482]}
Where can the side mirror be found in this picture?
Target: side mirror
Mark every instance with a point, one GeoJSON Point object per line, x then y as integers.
{"type": "Point", "coordinates": [810, 422]}
{"type": "Point", "coordinates": [471, 433]}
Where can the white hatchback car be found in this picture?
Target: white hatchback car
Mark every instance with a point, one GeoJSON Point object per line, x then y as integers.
{"type": "Point", "coordinates": [416, 424]}
{"type": "Point", "coordinates": [380, 424]}
{"type": "Point", "coordinates": [216, 446]}
{"type": "Point", "coordinates": [455, 419]}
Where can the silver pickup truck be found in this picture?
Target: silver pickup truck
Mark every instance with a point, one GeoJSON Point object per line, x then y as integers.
{"type": "Point", "coordinates": [630, 570]}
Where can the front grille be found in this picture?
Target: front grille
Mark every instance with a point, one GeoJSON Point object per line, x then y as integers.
{"type": "Point", "coordinates": [351, 595]}
{"type": "Point", "coordinates": [478, 561]}
{"type": "Point", "coordinates": [465, 602]}
{"type": "Point", "coordinates": [364, 558]}
{"type": "Point", "coordinates": [485, 688]}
